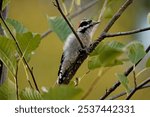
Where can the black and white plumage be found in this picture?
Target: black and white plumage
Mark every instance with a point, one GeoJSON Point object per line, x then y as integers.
{"type": "Point", "coordinates": [72, 47]}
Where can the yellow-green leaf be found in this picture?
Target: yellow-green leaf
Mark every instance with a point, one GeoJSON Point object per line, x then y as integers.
{"type": "Point", "coordinates": [5, 3]}
{"type": "Point", "coordinates": [61, 93]}
{"type": "Point", "coordinates": [19, 27]}
{"type": "Point", "coordinates": [106, 55]}
{"type": "Point", "coordinates": [7, 90]}
{"type": "Point", "coordinates": [60, 27]}
{"type": "Point", "coordinates": [30, 94]}
{"type": "Point", "coordinates": [28, 43]}
{"type": "Point", "coordinates": [124, 81]}
{"type": "Point", "coordinates": [8, 53]}
{"type": "Point", "coordinates": [135, 51]}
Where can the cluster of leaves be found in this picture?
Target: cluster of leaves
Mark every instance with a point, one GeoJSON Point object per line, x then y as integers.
{"type": "Point", "coordinates": [8, 92]}
{"type": "Point", "coordinates": [57, 93]}
{"type": "Point", "coordinates": [27, 41]}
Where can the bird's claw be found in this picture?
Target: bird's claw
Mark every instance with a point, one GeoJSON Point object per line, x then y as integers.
{"type": "Point", "coordinates": [84, 50]}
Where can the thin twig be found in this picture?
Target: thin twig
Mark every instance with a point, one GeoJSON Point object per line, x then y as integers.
{"type": "Point", "coordinates": [100, 16]}
{"type": "Point", "coordinates": [124, 93]}
{"type": "Point", "coordinates": [67, 21]}
{"type": "Point", "coordinates": [16, 79]}
{"type": "Point", "coordinates": [77, 80]}
{"type": "Point", "coordinates": [46, 33]}
{"type": "Point", "coordinates": [134, 77]}
{"type": "Point", "coordinates": [78, 12]}
{"type": "Point", "coordinates": [27, 76]}
{"type": "Point", "coordinates": [20, 51]}
{"type": "Point", "coordinates": [117, 84]}
{"type": "Point", "coordinates": [137, 88]}
{"type": "Point", "coordinates": [71, 6]}
{"type": "Point", "coordinates": [127, 33]}
{"type": "Point", "coordinates": [102, 10]}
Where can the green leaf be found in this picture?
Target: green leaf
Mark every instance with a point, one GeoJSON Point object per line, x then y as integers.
{"type": "Point", "coordinates": [5, 3]}
{"type": "Point", "coordinates": [7, 90]}
{"type": "Point", "coordinates": [94, 62]}
{"type": "Point", "coordinates": [105, 46]}
{"type": "Point", "coordinates": [148, 18]}
{"type": "Point", "coordinates": [19, 27]}
{"type": "Point", "coordinates": [135, 51]}
{"type": "Point", "coordinates": [148, 62]}
{"type": "Point", "coordinates": [106, 55]}
{"type": "Point", "coordinates": [60, 27]}
{"type": "Point", "coordinates": [5, 30]}
{"type": "Point", "coordinates": [61, 93]}
{"type": "Point", "coordinates": [7, 53]}
{"type": "Point", "coordinates": [28, 43]}
{"type": "Point", "coordinates": [124, 81]}
{"type": "Point", "coordinates": [30, 94]}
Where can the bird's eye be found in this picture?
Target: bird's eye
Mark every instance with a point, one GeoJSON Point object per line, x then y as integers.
{"type": "Point", "coordinates": [83, 24]}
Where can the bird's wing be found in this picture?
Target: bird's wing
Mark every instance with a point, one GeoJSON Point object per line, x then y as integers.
{"type": "Point", "coordinates": [61, 63]}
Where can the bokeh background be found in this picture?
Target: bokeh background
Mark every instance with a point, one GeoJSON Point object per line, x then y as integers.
{"type": "Point", "coordinates": [45, 61]}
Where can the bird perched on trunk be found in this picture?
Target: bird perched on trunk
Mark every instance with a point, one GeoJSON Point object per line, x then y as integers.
{"type": "Point", "coordinates": [72, 47]}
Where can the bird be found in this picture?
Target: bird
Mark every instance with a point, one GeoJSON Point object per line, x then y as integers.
{"type": "Point", "coordinates": [72, 47]}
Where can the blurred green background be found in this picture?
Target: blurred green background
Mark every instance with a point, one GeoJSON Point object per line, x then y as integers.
{"type": "Point", "coordinates": [45, 61]}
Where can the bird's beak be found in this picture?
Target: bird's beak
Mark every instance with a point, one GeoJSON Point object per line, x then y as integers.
{"type": "Point", "coordinates": [94, 23]}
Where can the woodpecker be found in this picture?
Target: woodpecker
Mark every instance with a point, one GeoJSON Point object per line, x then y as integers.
{"type": "Point", "coordinates": [72, 47]}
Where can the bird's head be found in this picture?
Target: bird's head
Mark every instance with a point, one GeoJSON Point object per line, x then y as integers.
{"type": "Point", "coordinates": [87, 26]}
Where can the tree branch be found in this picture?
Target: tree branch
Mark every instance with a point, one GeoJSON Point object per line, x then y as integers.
{"type": "Point", "coordinates": [127, 33]}
{"type": "Point", "coordinates": [67, 21]}
{"type": "Point", "coordinates": [117, 84]}
{"type": "Point", "coordinates": [137, 88]}
{"type": "Point", "coordinates": [84, 8]}
{"type": "Point", "coordinates": [124, 93]}
{"type": "Point", "coordinates": [46, 33]}
{"type": "Point", "coordinates": [80, 59]}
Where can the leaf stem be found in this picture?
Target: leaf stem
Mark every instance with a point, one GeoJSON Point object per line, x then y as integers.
{"type": "Point", "coordinates": [16, 79]}
{"type": "Point", "coordinates": [134, 77]}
